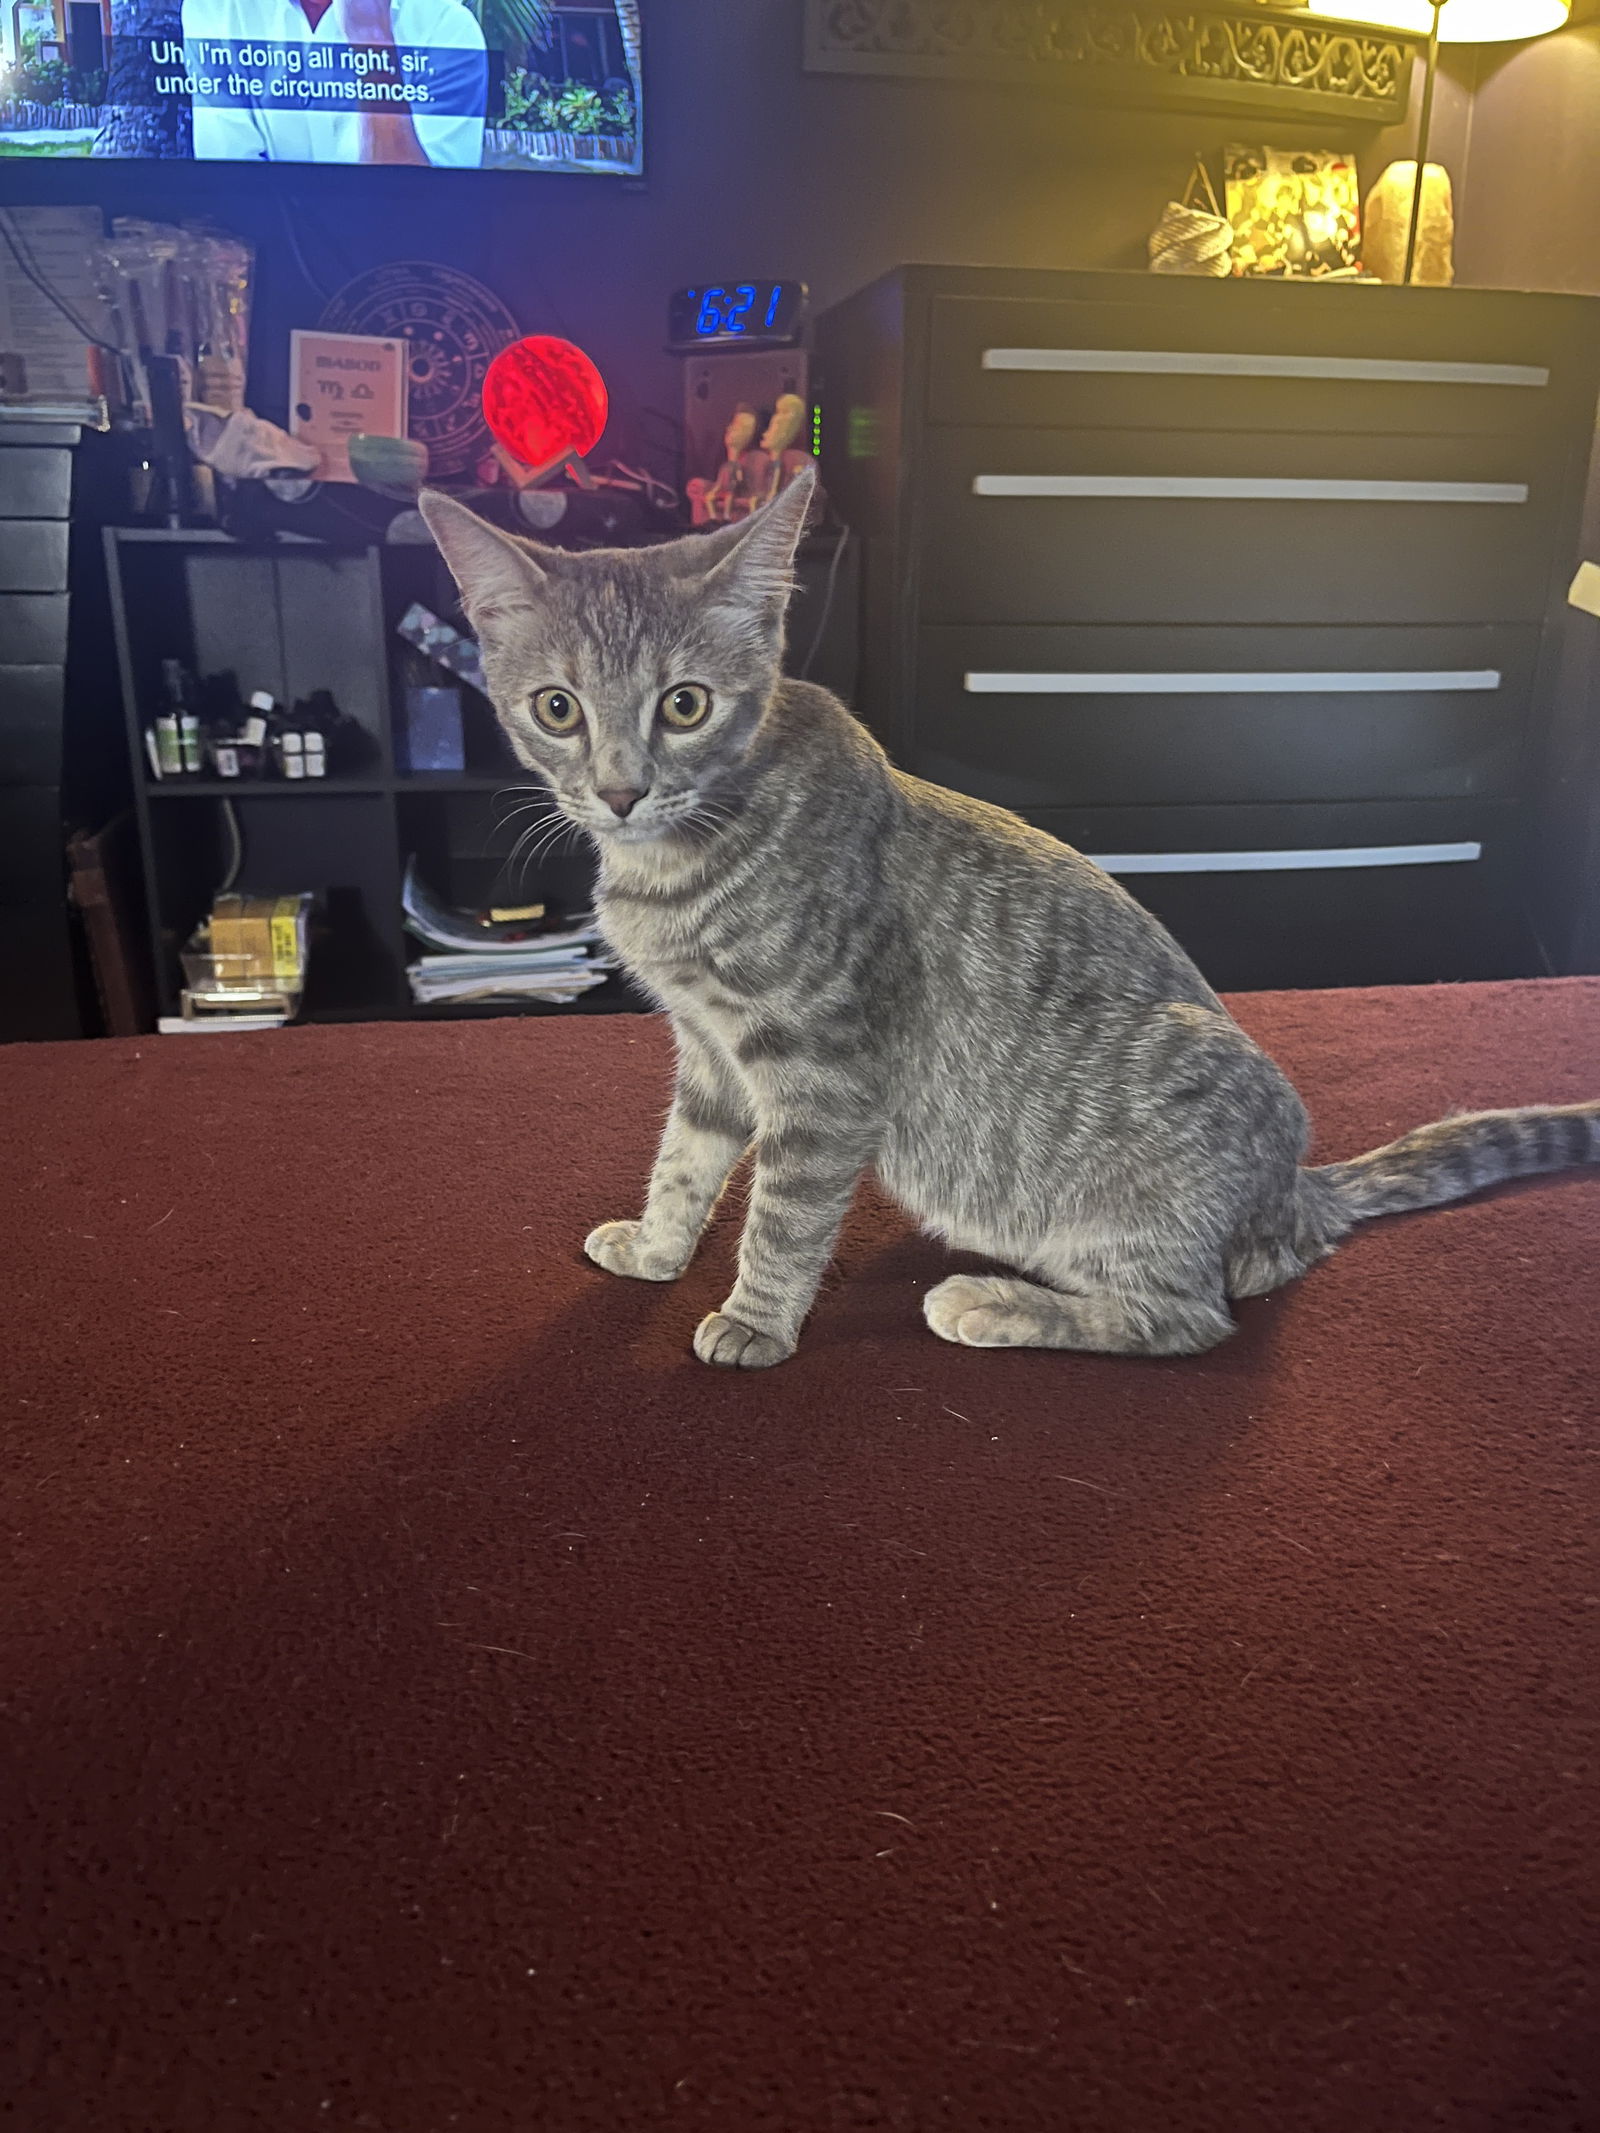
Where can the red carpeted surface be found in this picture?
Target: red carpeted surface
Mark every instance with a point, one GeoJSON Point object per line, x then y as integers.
{"type": "Point", "coordinates": [436, 1701]}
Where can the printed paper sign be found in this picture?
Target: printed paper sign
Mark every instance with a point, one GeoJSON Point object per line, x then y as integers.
{"type": "Point", "coordinates": [1584, 591]}
{"type": "Point", "coordinates": [344, 385]}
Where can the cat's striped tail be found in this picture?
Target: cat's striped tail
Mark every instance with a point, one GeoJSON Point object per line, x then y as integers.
{"type": "Point", "coordinates": [1457, 1156]}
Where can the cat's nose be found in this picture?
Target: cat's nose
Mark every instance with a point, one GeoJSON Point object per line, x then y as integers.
{"type": "Point", "coordinates": [621, 799]}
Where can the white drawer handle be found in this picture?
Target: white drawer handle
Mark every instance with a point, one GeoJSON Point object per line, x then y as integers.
{"type": "Point", "coordinates": [1366, 682]}
{"type": "Point", "coordinates": [1184, 363]}
{"type": "Point", "coordinates": [1252, 488]}
{"type": "Point", "coordinates": [1341, 855]}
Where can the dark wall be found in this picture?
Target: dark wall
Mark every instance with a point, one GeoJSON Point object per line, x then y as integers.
{"type": "Point", "coordinates": [1531, 220]}
{"type": "Point", "coordinates": [753, 167]}
{"type": "Point", "coordinates": [1532, 194]}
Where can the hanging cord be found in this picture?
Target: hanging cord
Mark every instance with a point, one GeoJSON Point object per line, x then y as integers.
{"type": "Point", "coordinates": [827, 599]}
{"type": "Point", "coordinates": [656, 492]}
{"type": "Point", "coordinates": [230, 821]}
{"type": "Point", "coordinates": [312, 281]}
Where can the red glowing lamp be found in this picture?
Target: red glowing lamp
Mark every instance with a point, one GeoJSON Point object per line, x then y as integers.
{"type": "Point", "coordinates": [545, 404]}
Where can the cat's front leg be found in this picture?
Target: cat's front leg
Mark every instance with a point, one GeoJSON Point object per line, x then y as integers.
{"type": "Point", "coordinates": [706, 1133]}
{"type": "Point", "coordinates": [805, 1177]}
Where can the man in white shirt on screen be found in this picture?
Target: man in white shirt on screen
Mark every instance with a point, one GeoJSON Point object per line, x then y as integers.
{"type": "Point", "coordinates": [336, 81]}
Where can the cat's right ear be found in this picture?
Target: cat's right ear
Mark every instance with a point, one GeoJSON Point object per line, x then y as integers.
{"type": "Point", "coordinates": [496, 575]}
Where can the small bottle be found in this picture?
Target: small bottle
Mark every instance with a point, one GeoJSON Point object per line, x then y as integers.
{"type": "Point", "coordinates": [169, 747]}
{"type": "Point", "coordinates": [252, 741]}
{"type": "Point", "coordinates": [176, 687]}
{"type": "Point", "coordinates": [316, 755]}
{"type": "Point", "coordinates": [254, 731]}
{"type": "Point", "coordinates": [225, 755]}
{"type": "Point", "coordinates": [291, 755]}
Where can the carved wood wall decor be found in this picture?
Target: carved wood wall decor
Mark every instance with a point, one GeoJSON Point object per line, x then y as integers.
{"type": "Point", "coordinates": [1228, 58]}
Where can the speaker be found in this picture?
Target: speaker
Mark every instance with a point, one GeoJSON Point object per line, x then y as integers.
{"type": "Point", "coordinates": [718, 383]}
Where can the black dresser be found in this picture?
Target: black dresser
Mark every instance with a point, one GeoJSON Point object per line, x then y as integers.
{"type": "Point", "coordinates": [39, 991]}
{"type": "Point", "coordinates": [1250, 590]}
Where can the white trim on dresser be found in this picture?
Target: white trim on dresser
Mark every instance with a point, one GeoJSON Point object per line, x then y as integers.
{"type": "Point", "coordinates": [1293, 861]}
{"type": "Point", "coordinates": [1173, 362]}
{"type": "Point", "coordinates": [1250, 488]}
{"type": "Point", "coordinates": [1365, 682]}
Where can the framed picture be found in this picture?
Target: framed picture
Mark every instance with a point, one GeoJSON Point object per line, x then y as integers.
{"type": "Point", "coordinates": [1296, 212]}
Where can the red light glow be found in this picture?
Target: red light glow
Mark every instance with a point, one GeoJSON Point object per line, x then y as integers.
{"type": "Point", "coordinates": [543, 398]}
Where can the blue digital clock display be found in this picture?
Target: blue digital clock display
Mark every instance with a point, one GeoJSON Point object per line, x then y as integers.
{"type": "Point", "coordinates": [761, 311]}
{"type": "Point", "coordinates": [735, 310]}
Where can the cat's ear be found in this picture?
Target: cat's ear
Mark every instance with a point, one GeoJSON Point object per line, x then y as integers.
{"type": "Point", "coordinates": [754, 569]}
{"type": "Point", "coordinates": [496, 575]}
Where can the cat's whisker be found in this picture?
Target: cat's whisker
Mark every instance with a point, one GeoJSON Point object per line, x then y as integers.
{"type": "Point", "coordinates": [528, 818]}
{"type": "Point", "coordinates": [527, 799]}
{"type": "Point", "coordinates": [539, 823]}
{"type": "Point", "coordinates": [543, 840]}
{"type": "Point", "coordinates": [539, 838]}
{"type": "Point", "coordinates": [541, 802]}
{"type": "Point", "coordinates": [532, 845]}
{"type": "Point", "coordinates": [532, 858]}
{"type": "Point", "coordinates": [707, 815]}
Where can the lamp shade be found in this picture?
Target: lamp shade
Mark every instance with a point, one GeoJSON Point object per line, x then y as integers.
{"type": "Point", "coordinates": [543, 398]}
{"type": "Point", "coordinates": [1460, 21]}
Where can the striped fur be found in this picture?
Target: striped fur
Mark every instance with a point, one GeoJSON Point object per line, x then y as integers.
{"type": "Point", "coordinates": [1463, 1155]}
{"type": "Point", "coordinates": [864, 971]}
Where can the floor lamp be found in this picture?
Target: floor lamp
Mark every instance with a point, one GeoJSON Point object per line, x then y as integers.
{"type": "Point", "coordinates": [1449, 22]}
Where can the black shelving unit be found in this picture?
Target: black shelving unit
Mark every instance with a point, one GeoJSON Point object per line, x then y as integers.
{"type": "Point", "coordinates": [290, 618]}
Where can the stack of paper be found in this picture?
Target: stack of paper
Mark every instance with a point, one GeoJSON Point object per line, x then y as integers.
{"type": "Point", "coordinates": [507, 962]}
{"type": "Point", "coordinates": [506, 977]}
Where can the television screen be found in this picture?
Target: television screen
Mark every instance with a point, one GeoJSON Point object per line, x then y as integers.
{"type": "Point", "coordinates": [458, 84]}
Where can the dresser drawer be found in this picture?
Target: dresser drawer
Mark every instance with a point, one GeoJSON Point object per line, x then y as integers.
{"type": "Point", "coordinates": [33, 628]}
{"type": "Point", "coordinates": [33, 864]}
{"type": "Point", "coordinates": [1032, 718]}
{"type": "Point", "coordinates": [1186, 527]}
{"type": "Point", "coordinates": [1359, 367]}
{"type": "Point", "coordinates": [30, 725]}
{"type": "Point", "coordinates": [1312, 895]}
{"type": "Point", "coordinates": [35, 481]}
{"type": "Point", "coordinates": [33, 554]}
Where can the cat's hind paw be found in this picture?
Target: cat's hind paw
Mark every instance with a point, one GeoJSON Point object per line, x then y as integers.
{"type": "Point", "coordinates": [981, 1311]}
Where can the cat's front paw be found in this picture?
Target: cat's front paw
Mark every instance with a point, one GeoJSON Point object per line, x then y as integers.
{"type": "Point", "coordinates": [732, 1346]}
{"type": "Point", "coordinates": [615, 1246]}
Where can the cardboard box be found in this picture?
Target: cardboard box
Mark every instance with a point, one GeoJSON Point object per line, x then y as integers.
{"type": "Point", "coordinates": [259, 938]}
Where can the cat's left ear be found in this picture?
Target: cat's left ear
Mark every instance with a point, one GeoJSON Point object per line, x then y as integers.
{"type": "Point", "coordinates": [754, 571]}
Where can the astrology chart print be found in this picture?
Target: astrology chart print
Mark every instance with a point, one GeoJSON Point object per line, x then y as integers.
{"type": "Point", "coordinates": [455, 327]}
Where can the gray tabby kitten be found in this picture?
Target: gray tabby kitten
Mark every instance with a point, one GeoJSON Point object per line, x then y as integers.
{"type": "Point", "coordinates": [867, 972]}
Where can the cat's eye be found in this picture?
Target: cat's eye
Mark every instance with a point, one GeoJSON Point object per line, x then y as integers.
{"type": "Point", "coordinates": [558, 711]}
{"type": "Point", "coordinates": [685, 707]}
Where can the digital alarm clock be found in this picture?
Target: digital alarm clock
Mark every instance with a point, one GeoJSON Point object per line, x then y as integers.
{"type": "Point", "coordinates": [737, 314]}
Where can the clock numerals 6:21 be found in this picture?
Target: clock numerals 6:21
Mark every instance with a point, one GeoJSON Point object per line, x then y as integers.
{"type": "Point", "coordinates": [723, 310]}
